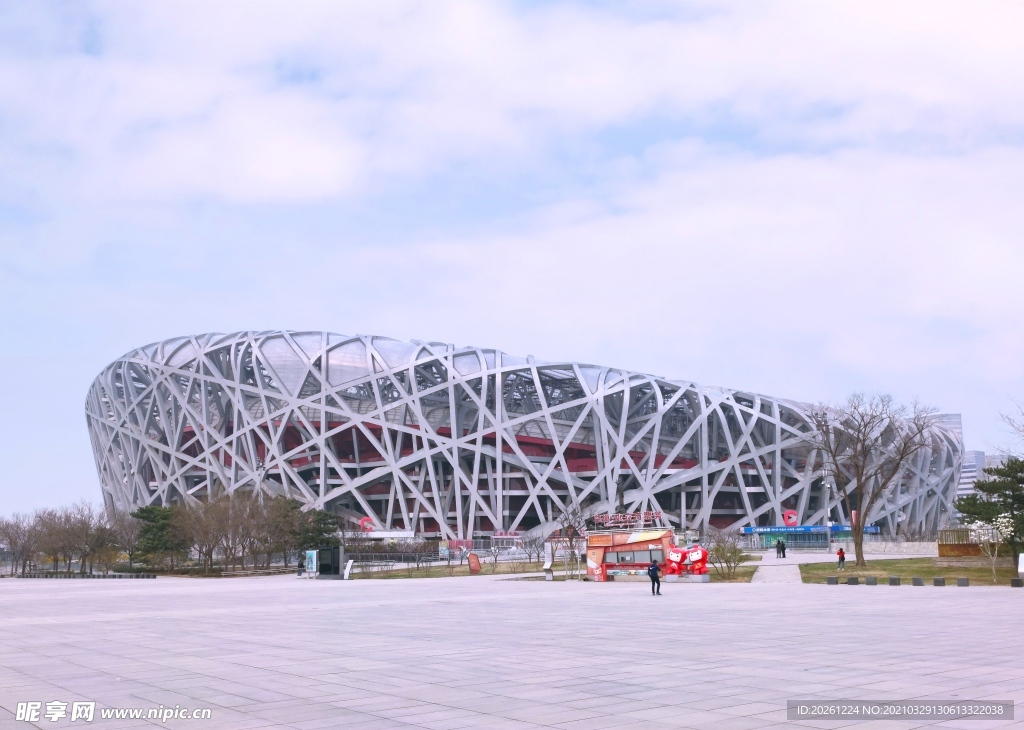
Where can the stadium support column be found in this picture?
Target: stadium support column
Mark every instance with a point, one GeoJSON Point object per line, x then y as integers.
{"type": "Point", "coordinates": [499, 459]}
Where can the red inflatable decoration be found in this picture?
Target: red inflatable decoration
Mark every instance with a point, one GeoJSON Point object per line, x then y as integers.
{"type": "Point", "coordinates": [366, 524]}
{"type": "Point", "coordinates": [683, 561]}
{"type": "Point", "coordinates": [790, 517]}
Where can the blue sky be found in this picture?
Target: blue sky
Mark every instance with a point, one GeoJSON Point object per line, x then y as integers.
{"type": "Point", "coordinates": [805, 200]}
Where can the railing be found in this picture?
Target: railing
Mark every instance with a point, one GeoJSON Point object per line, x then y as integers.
{"type": "Point", "coordinates": [258, 571]}
{"type": "Point", "coordinates": [392, 557]}
{"type": "Point", "coordinates": [956, 536]}
{"type": "Point", "coordinates": [86, 575]}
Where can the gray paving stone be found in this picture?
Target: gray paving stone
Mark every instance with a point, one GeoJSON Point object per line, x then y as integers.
{"type": "Point", "coordinates": [447, 654]}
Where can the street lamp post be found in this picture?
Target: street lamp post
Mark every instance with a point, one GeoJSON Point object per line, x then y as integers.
{"type": "Point", "coordinates": [827, 487]}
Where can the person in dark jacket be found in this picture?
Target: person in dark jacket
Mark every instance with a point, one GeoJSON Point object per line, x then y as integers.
{"type": "Point", "coordinates": [783, 544]}
{"type": "Point", "coordinates": [778, 548]}
{"type": "Point", "coordinates": [653, 571]}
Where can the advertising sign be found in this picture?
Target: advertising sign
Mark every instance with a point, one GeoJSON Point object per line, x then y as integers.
{"type": "Point", "coordinates": [311, 565]}
{"type": "Point", "coordinates": [443, 551]}
{"type": "Point", "coordinates": [627, 519]}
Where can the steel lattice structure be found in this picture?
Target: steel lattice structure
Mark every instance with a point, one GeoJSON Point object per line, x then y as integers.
{"type": "Point", "coordinates": [434, 440]}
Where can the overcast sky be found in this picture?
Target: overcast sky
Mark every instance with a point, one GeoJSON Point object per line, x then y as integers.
{"type": "Point", "coordinates": [799, 199]}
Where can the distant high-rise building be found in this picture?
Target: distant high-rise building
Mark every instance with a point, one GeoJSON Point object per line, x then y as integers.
{"type": "Point", "coordinates": [974, 462]}
{"type": "Point", "coordinates": [993, 461]}
{"type": "Point", "coordinates": [953, 422]}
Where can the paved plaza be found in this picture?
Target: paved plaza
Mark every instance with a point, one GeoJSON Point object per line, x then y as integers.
{"type": "Point", "coordinates": [282, 652]}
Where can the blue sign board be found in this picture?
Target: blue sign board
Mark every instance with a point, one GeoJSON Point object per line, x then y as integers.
{"type": "Point", "coordinates": [870, 530]}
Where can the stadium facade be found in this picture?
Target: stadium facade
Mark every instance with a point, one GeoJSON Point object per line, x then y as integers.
{"type": "Point", "coordinates": [438, 441]}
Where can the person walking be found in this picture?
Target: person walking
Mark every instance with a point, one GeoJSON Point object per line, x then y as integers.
{"type": "Point", "coordinates": [841, 554]}
{"type": "Point", "coordinates": [653, 571]}
{"type": "Point", "coordinates": [783, 544]}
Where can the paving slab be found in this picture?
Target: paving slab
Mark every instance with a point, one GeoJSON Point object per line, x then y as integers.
{"type": "Point", "coordinates": [279, 652]}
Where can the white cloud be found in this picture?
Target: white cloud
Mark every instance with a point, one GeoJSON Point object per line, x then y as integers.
{"type": "Point", "coordinates": [804, 199]}
{"type": "Point", "coordinates": [193, 100]}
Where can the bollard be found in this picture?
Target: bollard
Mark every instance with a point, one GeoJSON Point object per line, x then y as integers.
{"type": "Point", "coordinates": [832, 580]}
{"type": "Point", "coordinates": [853, 581]}
{"type": "Point", "coordinates": [871, 581]}
{"type": "Point", "coordinates": [917, 581]}
{"type": "Point", "coordinates": [938, 581]}
{"type": "Point", "coordinates": [963, 582]}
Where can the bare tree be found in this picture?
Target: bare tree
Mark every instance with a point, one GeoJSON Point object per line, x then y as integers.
{"type": "Point", "coordinates": [533, 546]}
{"type": "Point", "coordinates": [283, 522]}
{"type": "Point", "coordinates": [126, 530]}
{"type": "Point", "coordinates": [100, 541]}
{"type": "Point", "coordinates": [53, 542]}
{"type": "Point", "coordinates": [87, 533]}
{"type": "Point", "coordinates": [234, 530]}
{"type": "Point", "coordinates": [201, 525]}
{"type": "Point", "coordinates": [247, 508]}
{"type": "Point", "coordinates": [573, 534]}
{"type": "Point", "coordinates": [273, 521]}
{"type": "Point", "coordinates": [495, 551]}
{"type": "Point", "coordinates": [107, 557]}
{"type": "Point", "coordinates": [867, 446]}
{"type": "Point", "coordinates": [20, 534]}
{"type": "Point", "coordinates": [1015, 422]}
{"type": "Point", "coordinates": [990, 536]}
{"type": "Point", "coordinates": [725, 551]}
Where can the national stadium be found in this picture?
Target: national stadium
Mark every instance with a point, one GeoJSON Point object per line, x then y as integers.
{"type": "Point", "coordinates": [431, 440]}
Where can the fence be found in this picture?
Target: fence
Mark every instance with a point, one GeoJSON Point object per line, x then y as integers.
{"type": "Point", "coordinates": [87, 575]}
{"type": "Point", "coordinates": [956, 536]}
{"type": "Point", "coordinates": [389, 557]}
{"type": "Point", "coordinates": [258, 571]}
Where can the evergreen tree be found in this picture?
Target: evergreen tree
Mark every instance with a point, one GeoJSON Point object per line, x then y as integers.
{"type": "Point", "coordinates": [1002, 494]}
{"type": "Point", "coordinates": [159, 537]}
{"type": "Point", "coordinates": [316, 529]}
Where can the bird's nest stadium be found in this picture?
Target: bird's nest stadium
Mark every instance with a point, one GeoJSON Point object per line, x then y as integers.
{"type": "Point", "coordinates": [433, 440]}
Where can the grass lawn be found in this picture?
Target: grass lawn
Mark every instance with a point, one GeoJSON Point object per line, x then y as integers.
{"type": "Point", "coordinates": [743, 574]}
{"type": "Point", "coordinates": [907, 569]}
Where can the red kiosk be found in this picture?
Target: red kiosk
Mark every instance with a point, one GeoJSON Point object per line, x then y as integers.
{"type": "Point", "coordinates": [625, 552]}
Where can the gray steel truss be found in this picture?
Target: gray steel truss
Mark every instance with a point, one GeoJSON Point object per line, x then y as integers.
{"type": "Point", "coordinates": [434, 440]}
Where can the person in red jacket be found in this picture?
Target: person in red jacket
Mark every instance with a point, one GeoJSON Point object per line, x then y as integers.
{"type": "Point", "coordinates": [841, 554]}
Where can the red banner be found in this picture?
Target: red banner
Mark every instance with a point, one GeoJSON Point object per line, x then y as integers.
{"type": "Point", "coordinates": [628, 519]}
